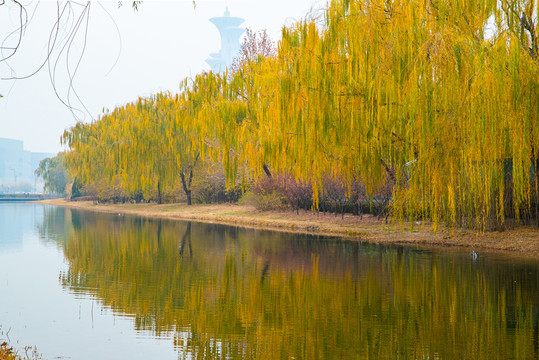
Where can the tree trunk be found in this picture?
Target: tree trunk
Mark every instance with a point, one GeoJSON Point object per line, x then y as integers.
{"type": "Point", "coordinates": [159, 232]}
{"type": "Point", "coordinates": [159, 192]}
{"type": "Point", "coordinates": [187, 185]}
{"type": "Point", "coordinates": [389, 172]}
{"type": "Point", "coordinates": [266, 170]}
{"type": "Point", "coordinates": [185, 189]}
{"type": "Point", "coordinates": [186, 239]}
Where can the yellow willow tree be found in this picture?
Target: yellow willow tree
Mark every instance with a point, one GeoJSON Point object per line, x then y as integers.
{"type": "Point", "coordinates": [218, 114]}
{"type": "Point", "coordinates": [140, 148]}
{"type": "Point", "coordinates": [246, 118]}
{"type": "Point", "coordinates": [440, 97]}
{"type": "Point", "coordinates": [415, 91]}
{"type": "Point", "coordinates": [256, 85]}
{"type": "Point", "coordinates": [89, 159]}
{"type": "Point", "coordinates": [102, 153]}
{"type": "Point", "coordinates": [256, 53]}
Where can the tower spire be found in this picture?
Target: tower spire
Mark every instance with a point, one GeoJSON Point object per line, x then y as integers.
{"type": "Point", "coordinates": [230, 33]}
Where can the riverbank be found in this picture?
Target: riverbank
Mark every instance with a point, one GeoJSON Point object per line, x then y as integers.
{"type": "Point", "coordinates": [523, 241]}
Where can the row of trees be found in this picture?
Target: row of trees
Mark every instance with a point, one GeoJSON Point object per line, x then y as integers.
{"type": "Point", "coordinates": [439, 98]}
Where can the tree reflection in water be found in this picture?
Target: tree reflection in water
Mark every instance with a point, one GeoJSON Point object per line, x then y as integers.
{"type": "Point", "coordinates": [229, 292]}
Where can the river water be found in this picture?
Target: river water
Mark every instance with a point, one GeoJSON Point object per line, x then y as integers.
{"type": "Point", "coordinates": [83, 285]}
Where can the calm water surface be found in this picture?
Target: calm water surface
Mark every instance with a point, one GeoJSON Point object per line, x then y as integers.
{"type": "Point", "coordinates": [82, 285]}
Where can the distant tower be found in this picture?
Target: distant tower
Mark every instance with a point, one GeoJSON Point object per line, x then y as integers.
{"type": "Point", "coordinates": [230, 41]}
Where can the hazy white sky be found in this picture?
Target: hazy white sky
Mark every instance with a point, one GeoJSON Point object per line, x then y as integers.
{"type": "Point", "coordinates": [152, 50]}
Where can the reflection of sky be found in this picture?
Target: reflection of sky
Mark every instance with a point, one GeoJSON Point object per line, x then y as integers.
{"type": "Point", "coordinates": [16, 219]}
{"type": "Point", "coordinates": [37, 311]}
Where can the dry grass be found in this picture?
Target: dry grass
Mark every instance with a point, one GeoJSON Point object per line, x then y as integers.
{"type": "Point", "coordinates": [522, 241]}
{"type": "Point", "coordinates": [8, 353]}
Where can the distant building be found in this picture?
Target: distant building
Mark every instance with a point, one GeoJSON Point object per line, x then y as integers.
{"type": "Point", "coordinates": [230, 41]}
{"type": "Point", "coordinates": [17, 166]}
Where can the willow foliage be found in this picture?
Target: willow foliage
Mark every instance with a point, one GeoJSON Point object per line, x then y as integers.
{"type": "Point", "coordinates": [417, 92]}
{"type": "Point", "coordinates": [140, 147]}
{"type": "Point", "coordinates": [441, 97]}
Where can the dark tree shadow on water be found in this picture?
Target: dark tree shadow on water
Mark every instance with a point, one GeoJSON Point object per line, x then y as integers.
{"type": "Point", "coordinates": [186, 239]}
